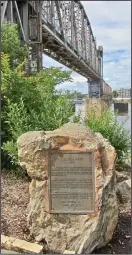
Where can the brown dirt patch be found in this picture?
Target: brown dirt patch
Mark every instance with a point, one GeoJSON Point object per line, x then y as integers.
{"type": "Point", "coordinates": [121, 241]}
{"type": "Point", "coordinates": [14, 201]}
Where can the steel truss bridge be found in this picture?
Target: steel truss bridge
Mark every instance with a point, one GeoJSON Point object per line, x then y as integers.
{"type": "Point", "coordinates": [61, 30]}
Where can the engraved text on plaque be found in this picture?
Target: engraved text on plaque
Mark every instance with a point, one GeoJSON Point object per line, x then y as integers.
{"type": "Point", "coordinates": [71, 182]}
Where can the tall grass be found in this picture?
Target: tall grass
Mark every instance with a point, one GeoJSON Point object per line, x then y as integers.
{"type": "Point", "coordinates": [108, 125]}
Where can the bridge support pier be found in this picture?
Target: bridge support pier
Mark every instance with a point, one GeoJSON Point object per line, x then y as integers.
{"type": "Point", "coordinates": [33, 33]}
{"type": "Point", "coordinates": [95, 104]}
{"type": "Point", "coordinates": [28, 17]}
{"type": "Point", "coordinates": [95, 88]}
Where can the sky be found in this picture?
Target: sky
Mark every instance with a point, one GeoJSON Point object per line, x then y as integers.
{"type": "Point", "coordinates": [111, 25]}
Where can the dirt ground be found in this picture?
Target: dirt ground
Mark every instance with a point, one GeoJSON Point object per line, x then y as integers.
{"type": "Point", "coordinates": [121, 241]}
{"type": "Point", "coordinates": [14, 200]}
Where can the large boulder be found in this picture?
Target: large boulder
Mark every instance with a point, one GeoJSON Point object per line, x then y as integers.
{"type": "Point", "coordinates": [81, 233]}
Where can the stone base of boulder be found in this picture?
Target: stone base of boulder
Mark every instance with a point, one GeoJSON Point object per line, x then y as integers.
{"type": "Point", "coordinates": [21, 246]}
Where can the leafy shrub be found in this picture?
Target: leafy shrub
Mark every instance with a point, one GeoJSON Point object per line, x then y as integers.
{"type": "Point", "coordinates": [28, 103]}
{"type": "Point", "coordinates": [31, 103]}
{"type": "Point", "coordinates": [11, 44]}
{"type": "Point", "coordinates": [108, 125]}
{"type": "Point", "coordinates": [77, 118]}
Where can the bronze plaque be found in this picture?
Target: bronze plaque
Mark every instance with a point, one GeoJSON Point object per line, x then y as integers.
{"type": "Point", "coordinates": [71, 182]}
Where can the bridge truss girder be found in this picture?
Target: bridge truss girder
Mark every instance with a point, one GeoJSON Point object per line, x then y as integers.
{"type": "Point", "coordinates": [61, 30]}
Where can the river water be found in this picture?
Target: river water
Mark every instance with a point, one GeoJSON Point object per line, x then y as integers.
{"type": "Point", "coordinates": [121, 118]}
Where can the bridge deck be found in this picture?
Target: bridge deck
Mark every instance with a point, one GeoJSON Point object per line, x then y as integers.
{"type": "Point", "coordinates": [63, 53]}
{"type": "Point", "coordinates": [68, 38]}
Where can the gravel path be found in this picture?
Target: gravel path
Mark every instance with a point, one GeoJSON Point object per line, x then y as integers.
{"type": "Point", "coordinates": [14, 200]}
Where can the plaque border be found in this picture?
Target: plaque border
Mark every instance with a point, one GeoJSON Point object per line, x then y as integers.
{"type": "Point", "coordinates": [51, 152]}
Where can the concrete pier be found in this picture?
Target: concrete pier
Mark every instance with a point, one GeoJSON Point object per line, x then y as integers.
{"type": "Point", "coordinates": [98, 104]}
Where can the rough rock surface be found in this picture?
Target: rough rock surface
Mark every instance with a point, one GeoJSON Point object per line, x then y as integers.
{"type": "Point", "coordinates": [123, 184]}
{"type": "Point", "coordinates": [123, 172]}
{"type": "Point", "coordinates": [79, 233]}
{"type": "Point", "coordinates": [123, 191]}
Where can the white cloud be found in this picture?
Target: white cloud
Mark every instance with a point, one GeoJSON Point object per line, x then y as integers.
{"type": "Point", "coordinates": [111, 25]}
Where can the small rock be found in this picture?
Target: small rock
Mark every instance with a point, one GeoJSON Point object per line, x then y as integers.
{"type": "Point", "coordinates": [128, 236]}
{"type": "Point", "coordinates": [15, 244]}
{"type": "Point", "coordinates": [68, 252]}
{"type": "Point", "coordinates": [123, 191]}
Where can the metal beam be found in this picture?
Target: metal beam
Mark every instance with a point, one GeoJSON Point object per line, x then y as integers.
{"type": "Point", "coordinates": [10, 12]}
{"type": "Point", "coordinates": [25, 18]}
{"type": "Point", "coordinates": [19, 19]}
{"type": "Point", "coordinates": [3, 9]}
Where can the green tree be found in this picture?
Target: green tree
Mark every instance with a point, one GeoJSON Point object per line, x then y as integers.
{"type": "Point", "coordinates": [79, 95]}
{"type": "Point", "coordinates": [114, 93]}
{"type": "Point", "coordinates": [29, 103]}
{"type": "Point", "coordinates": [11, 44]}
